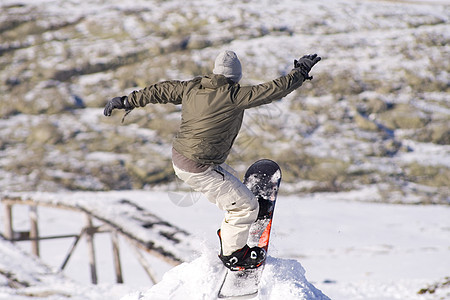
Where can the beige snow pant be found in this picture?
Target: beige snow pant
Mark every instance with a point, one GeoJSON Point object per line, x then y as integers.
{"type": "Point", "coordinates": [222, 188]}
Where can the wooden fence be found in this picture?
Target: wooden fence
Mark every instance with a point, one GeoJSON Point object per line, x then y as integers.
{"type": "Point", "coordinates": [141, 229]}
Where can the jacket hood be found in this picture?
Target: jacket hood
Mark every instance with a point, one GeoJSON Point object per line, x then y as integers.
{"type": "Point", "coordinates": [215, 81]}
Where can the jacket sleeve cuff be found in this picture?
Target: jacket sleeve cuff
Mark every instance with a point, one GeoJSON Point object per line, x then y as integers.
{"type": "Point", "coordinates": [126, 104]}
{"type": "Point", "coordinates": [300, 72]}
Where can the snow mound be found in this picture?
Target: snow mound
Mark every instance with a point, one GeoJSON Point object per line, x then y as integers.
{"type": "Point", "coordinates": [201, 279]}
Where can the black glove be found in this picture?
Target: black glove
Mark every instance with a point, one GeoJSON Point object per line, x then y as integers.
{"type": "Point", "coordinates": [305, 64]}
{"type": "Point", "coordinates": [117, 103]}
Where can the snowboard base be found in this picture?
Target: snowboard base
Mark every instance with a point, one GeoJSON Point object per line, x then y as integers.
{"type": "Point", "coordinates": [240, 284]}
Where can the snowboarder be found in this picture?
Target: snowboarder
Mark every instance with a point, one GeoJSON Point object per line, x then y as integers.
{"type": "Point", "coordinates": [212, 112]}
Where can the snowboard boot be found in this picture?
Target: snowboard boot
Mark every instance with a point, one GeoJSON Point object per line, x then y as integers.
{"type": "Point", "coordinates": [242, 259]}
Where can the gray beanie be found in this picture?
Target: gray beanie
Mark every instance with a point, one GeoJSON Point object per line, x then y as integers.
{"type": "Point", "coordinates": [227, 63]}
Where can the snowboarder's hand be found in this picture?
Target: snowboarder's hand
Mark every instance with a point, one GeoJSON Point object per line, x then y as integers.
{"type": "Point", "coordinates": [305, 64]}
{"type": "Point", "coordinates": [117, 103]}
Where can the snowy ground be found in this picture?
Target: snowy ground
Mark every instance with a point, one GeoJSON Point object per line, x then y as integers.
{"type": "Point", "coordinates": [349, 250]}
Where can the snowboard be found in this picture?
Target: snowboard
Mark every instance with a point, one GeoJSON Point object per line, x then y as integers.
{"type": "Point", "coordinates": [263, 179]}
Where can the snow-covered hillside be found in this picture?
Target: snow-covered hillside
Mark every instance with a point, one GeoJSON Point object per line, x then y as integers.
{"type": "Point", "coordinates": [376, 113]}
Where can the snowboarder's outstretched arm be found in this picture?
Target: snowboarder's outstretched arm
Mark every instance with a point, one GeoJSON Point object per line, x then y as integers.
{"type": "Point", "coordinates": [162, 92]}
{"type": "Point", "coordinates": [251, 96]}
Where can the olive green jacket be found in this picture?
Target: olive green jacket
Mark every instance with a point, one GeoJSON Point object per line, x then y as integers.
{"type": "Point", "coordinates": [212, 110]}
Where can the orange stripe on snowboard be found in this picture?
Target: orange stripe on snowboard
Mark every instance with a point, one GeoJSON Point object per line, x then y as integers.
{"type": "Point", "coordinates": [264, 239]}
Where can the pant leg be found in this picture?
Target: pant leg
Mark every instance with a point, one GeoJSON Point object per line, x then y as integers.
{"type": "Point", "coordinates": [231, 195]}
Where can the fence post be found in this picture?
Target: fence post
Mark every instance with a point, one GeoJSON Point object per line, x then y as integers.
{"type": "Point", "coordinates": [144, 264]}
{"type": "Point", "coordinates": [116, 256]}
{"type": "Point", "coordinates": [34, 230]}
{"type": "Point", "coordinates": [9, 233]}
{"type": "Point", "coordinates": [91, 249]}
{"type": "Point", "coordinates": [72, 248]}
